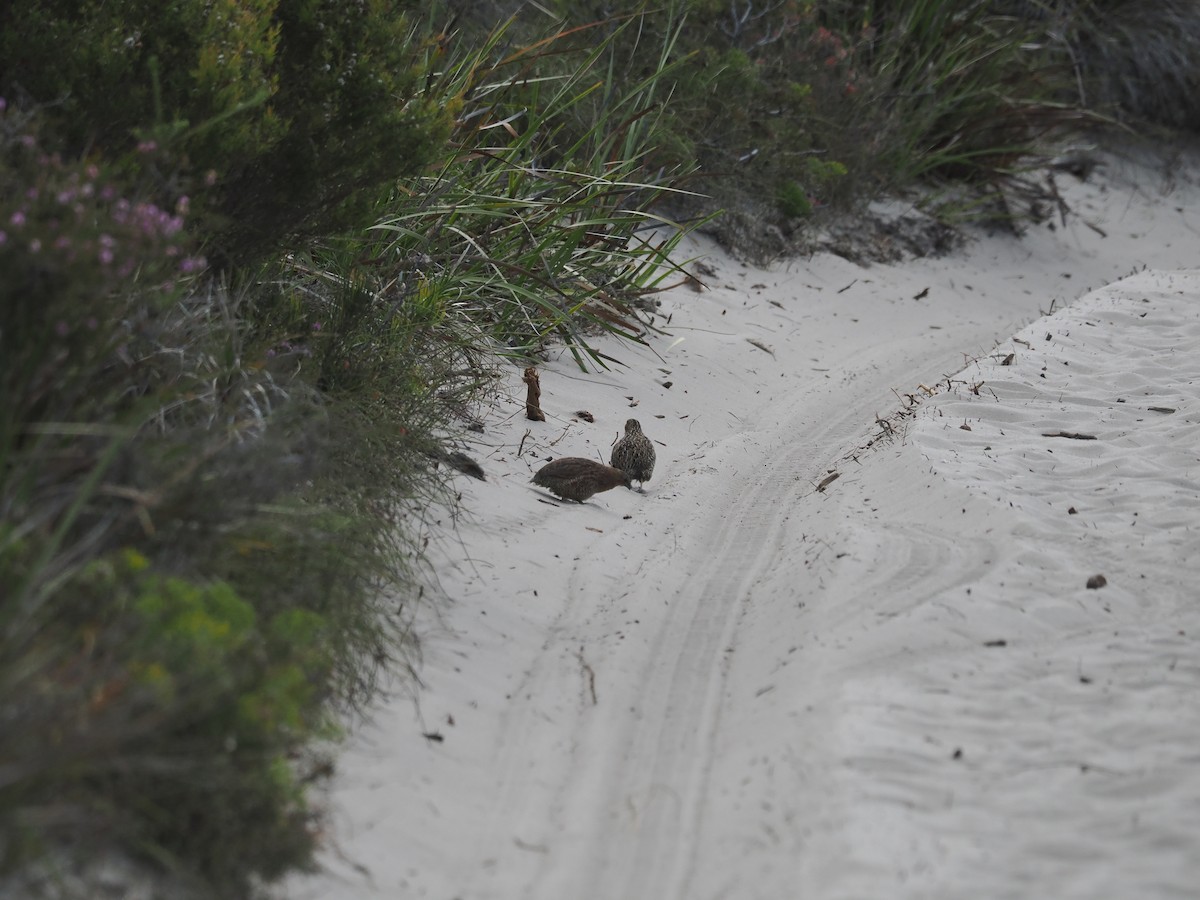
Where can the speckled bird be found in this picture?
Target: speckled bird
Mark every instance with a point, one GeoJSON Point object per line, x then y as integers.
{"type": "Point", "coordinates": [576, 478]}
{"type": "Point", "coordinates": [634, 454]}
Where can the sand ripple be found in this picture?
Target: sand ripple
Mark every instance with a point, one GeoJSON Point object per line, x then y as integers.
{"type": "Point", "coordinates": [1089, 784]}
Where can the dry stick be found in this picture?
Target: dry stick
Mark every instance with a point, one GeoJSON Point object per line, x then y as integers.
{"type": "Point", "coordinates": [533, 398]}
{"type": "Point", "coordinates": [828, 480]}
{"type": "Point", "coordinates": [754, 342]}
{"type": "Point", "coordinates": [591, 675]}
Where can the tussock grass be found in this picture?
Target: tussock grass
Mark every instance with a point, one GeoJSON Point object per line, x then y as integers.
{"type": "Point", "coordinates": [1139, 62]}
{"type": "Point", "coordinates": [541, 221]}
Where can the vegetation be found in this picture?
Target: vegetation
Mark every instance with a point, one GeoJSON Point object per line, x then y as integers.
{"type": "Point", "coordinates": [1137, 62]}
{"type": "Point", "coordinates": [257, 261]}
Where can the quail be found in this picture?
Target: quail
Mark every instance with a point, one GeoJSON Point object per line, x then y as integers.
{"type": "Point", "coordinates": [576, 478]}
{"type": "Point", "coordinates": [634, 454]}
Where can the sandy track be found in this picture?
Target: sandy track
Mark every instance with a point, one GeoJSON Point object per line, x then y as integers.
{"type": "Point", "coordinates": [737, 687]}
{"type": "Point", "coordinates": [653, 622]}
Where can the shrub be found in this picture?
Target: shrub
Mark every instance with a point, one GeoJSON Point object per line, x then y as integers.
{"type": "Point", "coordinates": [78, 253]}
{"type": "Point", "coordinates": [540, 220]}
{"type": "Point", "coordinates": [202, 543]}
{"type": "Point", "coordinates": [1135, 61]}
{"type": "Point", "coordinates": [281, 118]}
{"type": "Point", "coordinates": [165, 712]}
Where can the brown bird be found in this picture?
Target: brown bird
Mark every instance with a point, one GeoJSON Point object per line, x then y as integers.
{"type": "Point", "coordinates": [634, 454]}
{"type": "Point", "coordinates": [576, 478]}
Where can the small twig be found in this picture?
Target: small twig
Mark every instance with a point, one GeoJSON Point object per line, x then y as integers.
{"type": "Point", "coordinates": [754, 342]}
{"type": "Point", "coordinates": [591, 675]}
{"type": "Point", "coordinates": [521, 447]}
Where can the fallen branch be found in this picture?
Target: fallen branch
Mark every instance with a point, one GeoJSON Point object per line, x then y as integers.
{"type": "Point", "coordinates": [828, 480]}
{"type": "Point", "coordinates": [1073, 435]}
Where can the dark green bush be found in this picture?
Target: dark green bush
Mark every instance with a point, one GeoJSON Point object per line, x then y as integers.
{"type": "Point", "coordinates": [201, 538]}
{"type": "Point", "coordinates": [169, 714]}
{"type": "Point", "coordinates": [1137, 61]}
{"type": "Point", "coordinates": [281, 119]}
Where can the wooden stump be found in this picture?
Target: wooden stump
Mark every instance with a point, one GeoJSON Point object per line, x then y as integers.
{"type": "Point", "coordinates": [533, 398]}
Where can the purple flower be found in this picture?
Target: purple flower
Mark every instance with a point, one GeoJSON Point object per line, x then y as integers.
{"type": "Point", "coordinates": [3, 104]}
{"type": "Point", "coordinates": [182, 204]}
{"type": "Point", "coordinates": [147, 146]}
{"type": "Point", "coordinates": [192, 263]}
{"type": "Point", "coordinates": [35, 246]}
{"type": "Point", "coordinates": [3, 237]}
{"type": "Point", "coordinates": [106, 256]}
{"type": "Point", "coordinates": [61, 328]}
{"type": "Point", "coordinates": [316, 326]}
{"type": "Point", "coordinates": [17, 219]}
{"type": "Point", "coordinates": [92, 171]}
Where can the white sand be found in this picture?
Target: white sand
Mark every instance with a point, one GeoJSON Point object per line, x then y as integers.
{"type": "Point", "coordinates": [737, 686]}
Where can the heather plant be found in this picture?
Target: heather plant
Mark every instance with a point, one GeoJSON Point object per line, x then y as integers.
{"type": "Point", "coordinates": [76, 252]}
{"type": "Point", "coordinates": [281, 119]}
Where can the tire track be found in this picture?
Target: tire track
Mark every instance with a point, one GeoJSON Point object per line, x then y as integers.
{"type": "Point", "coordinates": [610, 798]}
